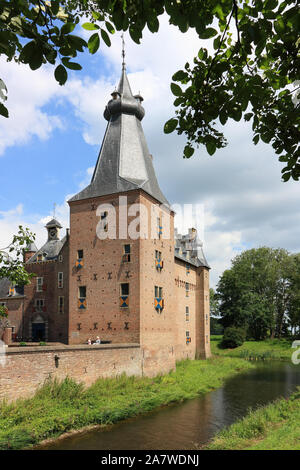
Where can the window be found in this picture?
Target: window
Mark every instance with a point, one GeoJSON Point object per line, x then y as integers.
{"type": "Point", "coordinates": [187, 314]}
{"type": "Point", "coordinates": [158, 298]}
{"type": "Point", "coordinates": [158, 262]}
{"type": "Point", "coordinates": [60, 280]}
{"type": "Point", "coordinates": [60, 258]}
{"type": "Point", "coordinates": [39, 257]}
{"type": "Point", "coordinates": [11, 292]}
{"type": "Point", "coordinates": [40, 305]}
{"type": "Point", "coordinates": [126, 253]}
{"type": "Point", "coordinates": [82, 292]}
{"type": "Point", "coordinates": [159, 227]}
{"type": "Point", "coordinates": [158, 291]}
{"type": "Point", "coordinates": [79, 261]}
{"type": "Point", "coordinates": [125, 289]}
{"type": "Point", "coordinates": [82, 297]}
{"type": "Point", "coordinates": [187, 288]}
{"type": "Point", "coordinates": [124, 297]}
{"type": "Point", "coordinates": [61, 301]}
{"type": "Point", "coordinates": [187, 334]}
{"type": "Point", "coordinates": [39, 284]}
{"type": "Point", "coordinates": [206, 316]}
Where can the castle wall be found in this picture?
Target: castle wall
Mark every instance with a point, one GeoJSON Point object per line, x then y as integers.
{"type": "Point", "coordinates": [56, 322]}
{"type": "Point", "coordinates": [102, 273]}
{"type": "Point", "coordinates": [157, 327]}
{"type": "Point", "coordinates": [26, 370]}
{"type": "Point", "coordinates": [203, 315]}
{"type": "Point", "coordinates": [15, 307]}
{"type": "Point", "coordinates": [184, 299]}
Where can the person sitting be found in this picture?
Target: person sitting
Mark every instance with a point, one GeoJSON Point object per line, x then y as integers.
{"type": "Point", "coordinates": [89, 341]}
{"type": "Point", "coordinates": [98, 341]}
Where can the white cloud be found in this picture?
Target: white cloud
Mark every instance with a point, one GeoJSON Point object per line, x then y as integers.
{"type": "Point", "coordinates": [28, 92]}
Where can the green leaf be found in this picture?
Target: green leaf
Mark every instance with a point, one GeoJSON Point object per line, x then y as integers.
{"type": "Point", "coordinates": [211, 147]}
{"type": "Point", "coordinates": [170, 126]}
{"type": "Point", "coordinates": [3, 110]}
{"type": "Point", "coordinates": [90, 26]}
{"type": "Point", "coordinates": [153, 24]}
{"type": "Point", "coordinates": [286, 176]}
{"type": "Point", "coordinates": [176, 90]}
{"type": "Point", "coordinates": [105, 37]}
{"type": "Point", "coordinates": [109, 27]}
{"type": "Point", "coordinates": [70, 65]}
{"type": "Point", "coordinates": [207, 33]}
{"type": "Point", "coordinates": [61, 75]}
{"type": "Point", "coordinates": [188, 151]}
{"type": "Point", "coordinates": [256, 139]}
{"type": "Point", "coordinates": [179, 76]}
{"type": "Point", "coordinates": [94, 43]}
{"type": "Point", "coordinates": [135, 34]}
{"type": "Point", "coordinates": [248, 116]}
{"type": "Point", "coordinates": [67, 28]}
{"type": "Point", "coordinates": [223, 117]}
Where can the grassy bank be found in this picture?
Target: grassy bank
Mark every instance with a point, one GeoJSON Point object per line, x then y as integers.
{"type": "Point", "coordinates": [274, 349]}
{"type": "Point", "coordinates": [58, 408]}
{"type": "Point", "coordinates": [272, 427]}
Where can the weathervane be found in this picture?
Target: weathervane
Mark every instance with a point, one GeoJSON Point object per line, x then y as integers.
{"type": "Point", "coordinates": [123, 52]}
{"type": "Point", "coordinates": [54, 207]}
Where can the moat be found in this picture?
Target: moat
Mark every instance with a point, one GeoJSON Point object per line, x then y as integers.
{"type": "Point", "coordinates": [192, 424]}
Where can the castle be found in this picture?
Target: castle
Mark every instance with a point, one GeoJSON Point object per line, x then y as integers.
{"type": "Point", "coordinates": [121, 272]}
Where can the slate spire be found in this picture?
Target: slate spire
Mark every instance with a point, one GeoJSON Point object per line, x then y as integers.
{"type": "Point", "coordinates": [124, 162]}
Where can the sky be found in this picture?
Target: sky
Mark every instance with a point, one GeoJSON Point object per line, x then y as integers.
{"type": "Point", "coordinates": [50, 144]}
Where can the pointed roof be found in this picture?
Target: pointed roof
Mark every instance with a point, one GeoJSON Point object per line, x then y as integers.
{"type": "Point", "coordinates": [53, 223]}
{"type": "Point", "coordinates": [124, 162]}
{"type": "Point", "coordinates": [31, 247]}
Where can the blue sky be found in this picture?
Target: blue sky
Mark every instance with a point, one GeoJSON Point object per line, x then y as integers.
{"type": "Point", "coordinates": [49, 146]}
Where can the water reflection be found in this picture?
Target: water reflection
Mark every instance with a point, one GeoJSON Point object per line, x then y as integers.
{"type": "Point", "coordinates": [193, 423]}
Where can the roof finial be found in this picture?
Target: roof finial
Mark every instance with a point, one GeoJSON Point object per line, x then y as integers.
{"type": "Point", "coordinates": [54, 207]}
{"type": "Point", "coordinates": [123, 52]}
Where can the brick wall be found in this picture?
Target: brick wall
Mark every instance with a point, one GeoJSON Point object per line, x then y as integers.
{"type": "Point", "coordinates": [27, 369]}
{"type": "Point", "coordinates": [102, 273]}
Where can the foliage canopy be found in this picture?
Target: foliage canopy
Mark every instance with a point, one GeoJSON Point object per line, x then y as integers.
{"type": "Point", "coordinates": [251, 74]}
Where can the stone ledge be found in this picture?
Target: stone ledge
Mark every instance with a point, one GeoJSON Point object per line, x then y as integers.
{"type": "Point", "coordinates": [66, 348]}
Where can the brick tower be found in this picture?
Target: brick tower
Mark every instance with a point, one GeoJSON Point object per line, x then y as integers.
{"type": "Point", "coordinates": [116, 289]}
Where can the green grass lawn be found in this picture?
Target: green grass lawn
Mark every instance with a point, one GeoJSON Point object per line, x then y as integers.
{"type": "Point", "coordinates": [60, 407]}
{"type": "Point", "coordinates": [272, 427]}
{"type": "Point", "coordinates": [268, 349]}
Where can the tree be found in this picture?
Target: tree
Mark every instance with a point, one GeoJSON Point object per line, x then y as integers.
{"type": "Point", "coordinates": [252, 73]}
{"type": "Point", "coordinates": [215, 326]}
{"type": "Point", "coordinates": [261, 292]}
{"type": "Point", "coordinates": [11, 259]}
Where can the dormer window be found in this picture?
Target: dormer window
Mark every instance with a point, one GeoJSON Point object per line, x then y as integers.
{"type": "Point", "coordinates": [39, 257]}
{"type": "Point", "coordinates": [12, 292]}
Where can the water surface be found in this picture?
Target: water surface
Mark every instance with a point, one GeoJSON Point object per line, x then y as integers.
{"type": "Point", "coordinates": [191, 424]}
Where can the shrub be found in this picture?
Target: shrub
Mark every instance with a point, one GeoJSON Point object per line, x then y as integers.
{"type": "Point", "coordinates": [233, 337]}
